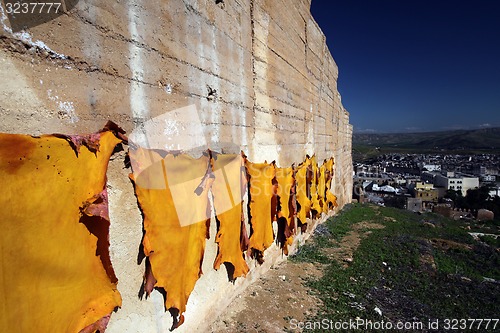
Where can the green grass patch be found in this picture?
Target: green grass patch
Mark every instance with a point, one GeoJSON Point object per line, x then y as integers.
{"type": "Point", "coordinates": [490, 240]}
{"type": "Point", "coordinates": [419, 267]}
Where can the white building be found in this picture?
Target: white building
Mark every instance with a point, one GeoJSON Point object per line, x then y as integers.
{"type": "Point", "coordinates": [488, 178]}
{"type": "Point", "coordinates": [431, 167]}
{"type": "Point", "coordinates": [456, 182]}
{"type": "Point", "coordinates": [495, 192]}
{"type": "Point", "coordinates": [385, 188]}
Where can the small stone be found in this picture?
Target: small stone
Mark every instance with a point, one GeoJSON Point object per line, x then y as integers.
{"type": "Point", "coordinates": [486, 279]}
{"type": "Point", "coordinates": [348, 294]}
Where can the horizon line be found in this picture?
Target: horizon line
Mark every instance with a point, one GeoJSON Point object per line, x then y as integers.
{"type": "Point", "coordinates": [416, 131]}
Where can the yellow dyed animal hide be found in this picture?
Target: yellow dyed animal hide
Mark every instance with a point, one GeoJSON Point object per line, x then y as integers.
{"type": "Point", "coordinates": [56, 275]}
{"type": "Point", "coordinates": [261, 193]}
{"type": "Point", "coordinates": [322, 187]}
{"type": "Point", "coordinates": [286, 219]}
{"type": "Point", "coordinates": [228, 189]}
{"type": "Point", "coordinates": [316, 203]}
{"type": "Point", "coordinates": [331, 199]}
{"type": "Point", "coordinates": [173, 194]}
{"type": "Point", "coordinates": [302, 188]}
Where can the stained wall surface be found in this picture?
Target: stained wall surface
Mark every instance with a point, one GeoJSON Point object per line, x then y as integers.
{"type": "Point", "coordinates": [257, 74]}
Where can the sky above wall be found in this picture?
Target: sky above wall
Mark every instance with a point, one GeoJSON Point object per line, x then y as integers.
{"type": "Point", "coordinates": [412, 66]}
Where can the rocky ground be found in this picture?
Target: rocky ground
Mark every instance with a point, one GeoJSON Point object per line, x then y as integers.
{"type": "Point", "coordinates": [270, 304]}
{"type": "Point", "coordinates": [378, 264]}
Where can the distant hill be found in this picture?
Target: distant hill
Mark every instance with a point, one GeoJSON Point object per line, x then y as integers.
{"type": "Point", "coordinates": [466, 141]}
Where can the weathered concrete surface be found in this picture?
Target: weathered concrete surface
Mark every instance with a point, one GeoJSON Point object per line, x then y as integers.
{"type": "Point", "coordinates": [258, 72]}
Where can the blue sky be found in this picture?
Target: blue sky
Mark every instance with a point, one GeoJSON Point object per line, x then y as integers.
{"type": "Point", "coordinates": [411, 66]}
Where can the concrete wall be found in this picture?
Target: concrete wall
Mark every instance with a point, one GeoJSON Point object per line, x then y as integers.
{"type": "Point", "coordinates": [258, 73]}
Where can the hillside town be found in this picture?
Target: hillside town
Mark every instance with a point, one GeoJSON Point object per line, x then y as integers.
{"type": "Point", "coordinates": [445, 184]}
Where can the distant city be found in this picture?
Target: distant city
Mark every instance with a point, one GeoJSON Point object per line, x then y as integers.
{"type": "Point", "coordinates": [444, 183]}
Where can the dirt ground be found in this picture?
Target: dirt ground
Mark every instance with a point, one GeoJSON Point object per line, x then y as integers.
{"type": "Point", "coordinates": [343, 251]}
{"type": "Point", "coordinates": [271, 302]}
{"type": "Point", "coordinates": [281, 295]}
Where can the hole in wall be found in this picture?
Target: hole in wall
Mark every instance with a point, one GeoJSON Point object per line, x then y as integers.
{"type": "Point", "coordinates": [212, 94]}
{"type": "Point", "coordinates": [220, 3]}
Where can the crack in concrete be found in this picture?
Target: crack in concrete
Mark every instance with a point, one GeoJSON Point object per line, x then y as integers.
{"type": "Point", "coordinates": [17, 46]}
